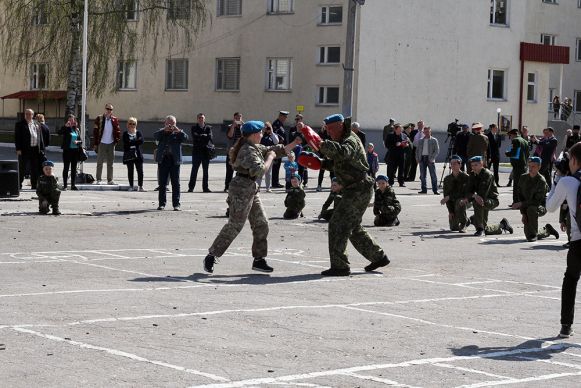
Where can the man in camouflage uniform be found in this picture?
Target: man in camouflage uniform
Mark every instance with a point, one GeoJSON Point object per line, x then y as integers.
{"type": "Point", "coordinates": [518, 154]}
{"type": "Point", "coordinates": [455, 186]}
{"type": "Point", "coordinates": [346, 157]}
{"type": "Point", "coordinates": [484, 195]}
{"type": "Point", "coordinates": [533, 192]}
{"type": "Point", "coordinates": [47, 190]}
{"type": "Point", "coordinates": [386, 207]}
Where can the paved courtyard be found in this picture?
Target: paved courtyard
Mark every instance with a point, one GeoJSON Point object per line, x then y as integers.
{"type": "Point", "coordinates": [112, 293]}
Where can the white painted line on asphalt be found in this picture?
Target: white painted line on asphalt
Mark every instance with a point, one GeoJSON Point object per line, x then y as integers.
{"type": "Point", "coordinates": [477, 282]}
{"type": "Point", "coordinates": [520, 381]}
{"type": "Point", "coordinates": [373, 367]}
{"type": "Point", "coordinates": [559, 363]}
{"type": "Point", "coordinates": [470, 370]}
{"type": "Point", "coordinates": [121, 353]}
{"type": "Point", "coordinates": [378, 380]}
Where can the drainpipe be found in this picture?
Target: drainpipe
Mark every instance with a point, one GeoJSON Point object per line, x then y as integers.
{"type": "Point", "coordinates": [521, 93]}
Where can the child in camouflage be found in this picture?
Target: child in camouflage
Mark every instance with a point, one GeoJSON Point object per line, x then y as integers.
{"type": "Point", "coordinates": [295, 199]}
{"type": "Point", "coordinates": [334, 197]}
{"type": "Point", "coordinates": [47, 190]}
{"type": "Point", "coordinates": [386, 207]}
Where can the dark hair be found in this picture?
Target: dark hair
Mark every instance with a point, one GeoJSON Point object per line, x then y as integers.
{"type": "Point", "coordinates": [200, 114]}
{"type": "Point", "coordinates": [575, 152]}
{"type": "Point", "coordinates": [239, 143]}
{"type": "Point", "coordinates": [236, 114]}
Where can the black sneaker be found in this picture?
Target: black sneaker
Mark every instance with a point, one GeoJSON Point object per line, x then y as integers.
{"type": "Point", "coordinates": [56, 211]}
{"type": "Point", "coordinates": [259, 264]}
{"type": "Point", "coordinates": [209, 261]}
{"type": "Point", "coordinates": [376, 264]}
{"type": "Point", "coordinates": [566, 331]}
{"type": "Point", "coordinates": [552, 231]}
{"type": "Point", "coordinates": [504, 225]}
{"type": "Point", "coordinates": [479, 233]}
{"type": "Point", "coordinates": [532, 239]}
{"type": "Point", "coordinates": [336, 272]}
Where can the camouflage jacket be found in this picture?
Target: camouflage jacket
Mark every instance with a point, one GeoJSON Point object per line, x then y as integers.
{"type": "Point", "coordinates": [333, 198]}
{"type": "Point", "coordinates": [295, 199]}
{"type": "Point", "coordinates": [518, 151]}
{"type": "Point", "coordinates": [532, 191]}
{"type": "Point", "coordinates": [346, 158]}
{"type": "Point", "coordinates": [250, 158]}
{"type": "Point", "coordinates": [385, 199]}
{"type": "Point", "coordinates": [455, 187]}
{"type": "Point", "coordinates": [47, 185]}
{"type": "Point", "coordinates": [483, 184]}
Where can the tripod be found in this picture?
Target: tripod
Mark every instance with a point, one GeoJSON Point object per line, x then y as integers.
{"type": "Point", "coordinates": [452, 139]}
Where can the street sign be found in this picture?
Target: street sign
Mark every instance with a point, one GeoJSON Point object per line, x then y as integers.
{"type": "Point", "coordinates": [300, 108]}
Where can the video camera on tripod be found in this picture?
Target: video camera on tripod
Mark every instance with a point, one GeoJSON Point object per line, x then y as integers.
{"type": "Point", "coordinates": [454, 128]}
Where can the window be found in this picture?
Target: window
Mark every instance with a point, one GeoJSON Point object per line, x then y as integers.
{"type": "Point", "coordinates": [40, 16]}
{"type": "Point", "coordinates": [330, 54]}
{"type": "Point", "coordinates": [551, 1]}
{"type": "Point", "coordinates": [176, 74]}
{"type": "Point", "coordinates": [132, 11]}
{"type": "Point", "coordinates": [39, 76]}
{"type": "Point", "coordinates": [577, 104]}
{"type": "Point", "coordinates": [229, 8]}
{"type": "Point", "coordinates": [328, 95]}
{"type": "Point", "coordinates": [496, 83]}
{"type": "Point", "coordinates": [548, 39]}
{"type": "Point", "coordinates": [532, 87]}
{"type": "Point", "coordinates": [228, 74]}
{"type": "Point", "coordinates": [278, 73]}
{"type": "Point", "coordinates": [280, 6]}
{"type": "Point", "coordinates": [126, 75]}
{"type": "Point", "coordinates": [179, 9]}
{"type": "Point", "coordinates": [578, 49]}
{"type": "Point", "coordinates": [498, 12]}
{"type": "Point", "coordinates": [578, 3]}
{"type": "Point", "coordinates": [332, 15]}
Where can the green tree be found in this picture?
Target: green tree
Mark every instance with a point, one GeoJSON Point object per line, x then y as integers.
{"type": "Point", "coordinates": [50, 31]}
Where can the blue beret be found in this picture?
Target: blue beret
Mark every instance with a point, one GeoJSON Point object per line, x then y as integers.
{"type": "Point", "coordinates": [253, 126]}
{"type": "Point", "coordinates": [535, 159]}
{"type": "Point", "coordinates": [334, 118]}
{"type": "Point", "coordinates": [456, 157]}
{"type": "Point", "coordinates": [381, 178]}
{"type": "Point", "coordinates": [297, 176]}
{"type": "Point", "coordinates": [47, 163]}
{"type": "Point", "coordinates": [475, 159]}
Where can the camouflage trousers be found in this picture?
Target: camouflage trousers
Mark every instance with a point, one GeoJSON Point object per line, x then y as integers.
{"type": "Point", "coordinates": [517, 170]}
{"type": "Point", "coordinates": [386, 218]}
{"type": "Point", "coordinates": [530, 220]}
{"type": "Point", "coordinates": [326, 214]}
{"type": "Point", "coordinates": [345, 225]}
{"type": "Point", "coordinates": [244, 203]}
{"type": "Point", "coordinates": [45, 200]}
{"type": "Point", "coordinates": [457, 214]}
{"type": "Point", "coordinates": [481, 216]}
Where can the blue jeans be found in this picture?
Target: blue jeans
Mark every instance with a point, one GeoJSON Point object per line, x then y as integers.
{"type": "Point", "coordinates": [168, 168]}
{"type": "Point", "coordinates": [198, 160]}
{"type": "Point", "coordinates": [424, 162]}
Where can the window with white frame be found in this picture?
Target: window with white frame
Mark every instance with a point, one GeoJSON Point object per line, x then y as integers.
{"type": "Point", "coordinates": [532, 87]}
{"type": "Point", "coordinates": [39, 76]}
{"type": "Point", "coordinates": [228, 74]}
{"type": "Point", "coordinates": [330, 54]}
{"type": "Point", "coordinates": [328, 95]}
{"type": "Point", "coordinates": [577, 97]}
{"type": "Point", "coordinates": [499, 12]}
{"type": "Point", "coordinates": [548, 39]}
{"type": "Point", "coordinates": [126, 75]}
{"type": "Point", "coordinates": [179, 9]}
{"type": "Point", "coordinates": [176, 74]}
{"type": "Point", "coordinates": [278, 73]}
{"type": "Point", "coordinates": [229, 8]}
{"type": "Point", "coordinates": [40, 16]}
{"type": "Point", "coordinates": [496, 84]}
{"type": "Point", "coordinates": [578, 50]}
{"type": "Point", "coordinates": [332, 14]}
{"type": "Point", "coordinates": [280, 6]}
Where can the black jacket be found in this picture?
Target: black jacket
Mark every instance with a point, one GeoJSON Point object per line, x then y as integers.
{"type": "Point", "coordinates": [22, 137]}
{"type": "Point", "coordinates": [137, 142]}
{"type": "Point", "coordinates": [494, 146]}
{"type": "Point", "coordinates": [201, 138]}
{"type": "Point", "coordinates": [66, 134]}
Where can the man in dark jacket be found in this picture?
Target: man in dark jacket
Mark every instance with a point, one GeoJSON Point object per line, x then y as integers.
{"type": "Point", "coordinates": [546, 147]}
{"type": "Point", "coordinates": [201, 144]}
{"type": "Point", "coordinates": [30, 140]}
{"type": "Point", "coordinates": [494, 140]}
{"type": "Point", "coordinates": [461, 144]}
{"type": "Point", "coordinates": [106, 135]}
{"type": "Point", "coordinates": [397, 142]}
{"type": "Point", "coordinates": [278, 128]}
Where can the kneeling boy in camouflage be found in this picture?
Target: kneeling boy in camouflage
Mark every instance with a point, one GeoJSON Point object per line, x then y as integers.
{"type": "Point", "coordinates": [295, 199]}
{"type": "Point", "coordinates": [386, 207]}
{"type": "Point", "coordinates": [47, 190]}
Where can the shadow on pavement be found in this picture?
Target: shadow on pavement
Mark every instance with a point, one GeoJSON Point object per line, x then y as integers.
{"type": "Point", "coordinates": [254, 278]}
{"type": "Point", "coordinates": [559, 247]}
{"type": "Point", "coordinates": [530, 350]}
{"type": "Point", "coordinates": [123, 212]}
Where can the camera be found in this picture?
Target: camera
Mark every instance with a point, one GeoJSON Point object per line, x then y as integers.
{"type": "Point", "coordinates": [453, 128]}
{"type": "Point", "coordinates": [562, 164]}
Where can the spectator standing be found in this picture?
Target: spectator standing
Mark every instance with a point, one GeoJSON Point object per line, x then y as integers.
{"type": "Point", "coordinates": [494, 141]}
{"type": "Point", "coordinates": [30, 140]}
{"type": "Point", "coordinates": [566, 109]}
{"type": "Point", "coordinates": [106, 134]}
{"type": "Point", "coordinates": [546, 148]}
{"type": "Point", "coordinates": [477, 144]}
{"type": "Point", "coordinates": [397, 142]}
{"type": "Point", "coordinates": [372, 160]}
{"type": "Point", "coordinates": [427, 149]}
{"type": "Point", "coordinates": [169, 160]}
{"type": "Point", "coordinates": [572, 137]}
{"type": "Point", "coordinates": [388, 130]}
{"type": "Point", "coordinates": [233, 134]}
{"type": "Point", "coordinates": [269, 139]}
{"type": "Point", "coordinates": [132, 156]}
{"type": "Point", "coordinates": [411, 166]}
{"type": "Point", "coordinates": [461, 145]}
{"type": "Point", "coordinates": [201, 145]}
{"type": "Point", "coordinates": [356, 129]}
{"type": "Point", "coordinates": [71, 147]}
{"type": "Point", "coordinates": [556, 107]}
{"type": "Point", "coordinates": [280, 131]}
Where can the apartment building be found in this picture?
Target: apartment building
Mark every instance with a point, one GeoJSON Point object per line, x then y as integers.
{"type": "Point", "coordinates": [435, 60]}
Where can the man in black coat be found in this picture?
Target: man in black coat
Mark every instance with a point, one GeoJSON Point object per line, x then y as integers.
{"type": "Point", "coordinates": [494, 140]}
{"type": "Point", "coordinates": [546, 147]}
{"type": "Point", "coordinates": [30, 140]}
{"type": "Point", "coordinates": [397, 142]}
{"type": "Point", "coordinates": [461, 144]}
{"type": "Point", "coordinates": [278, 128]}
{"type": "Point", "coordinates": [201, 144]}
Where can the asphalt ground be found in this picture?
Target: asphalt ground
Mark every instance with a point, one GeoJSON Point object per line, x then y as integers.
{"type": "Point", "coordinates": [112, 293]}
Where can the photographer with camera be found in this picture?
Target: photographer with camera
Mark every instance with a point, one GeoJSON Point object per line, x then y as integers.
{"type": "Point", "coordinates": [169, 160]}
{"type": "Point", "coordinates": [566, 189]}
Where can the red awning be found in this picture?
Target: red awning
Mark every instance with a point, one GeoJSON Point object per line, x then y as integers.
{"type": "Point", "coordinates": [37, 95]}
{"type": "Point", "coordinates": [535, 52]}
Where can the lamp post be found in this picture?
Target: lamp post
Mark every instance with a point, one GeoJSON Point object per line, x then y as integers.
{"type": "Point", "coordinates": [498, 111]}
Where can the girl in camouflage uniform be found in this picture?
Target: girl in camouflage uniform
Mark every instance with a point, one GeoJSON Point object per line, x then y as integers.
{"type": "Point", "coordinates": [250, 160]}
